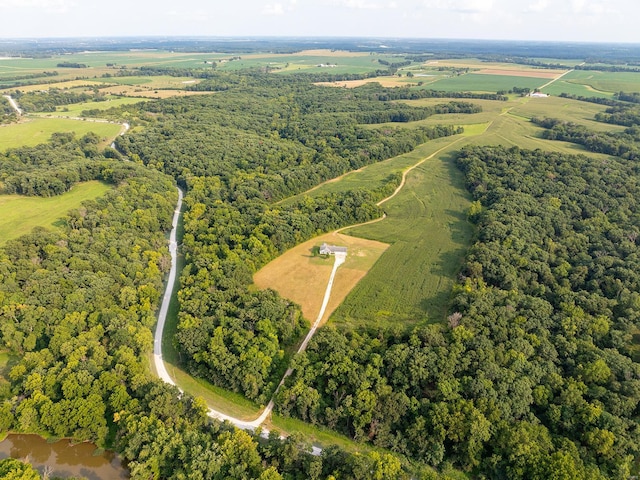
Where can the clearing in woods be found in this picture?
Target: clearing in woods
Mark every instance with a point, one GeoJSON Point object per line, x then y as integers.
{"type": "Point", "coordinates": [426, 223]}
{"type": "Point", "coordinates": [21, 214]}
{"type": "Point", "coordinates": [33, 131]}
{"type": "Point", "coordinates": [302, 277]}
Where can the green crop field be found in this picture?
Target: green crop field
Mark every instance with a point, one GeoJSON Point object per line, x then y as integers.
{"type": "Point", "coordinates": [606, 81]}
{"type": "Point", "coordinates": [591, 83]}
{"type": "Point", "coordinates": [426, 223]}
{"type": "Point", "coordinates": [429, 234]}
{"type": "Point", "coordinates": [473, 82]}
{"type": "Point", "coordinates": [21, 214]}
{"type": "Point", "coordinates": [111, 102]}
{"type": "Point", "coordinates": [39, 130]}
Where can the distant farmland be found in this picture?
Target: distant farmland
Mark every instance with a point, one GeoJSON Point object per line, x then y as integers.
{"type": "Point", "coordinates": [475, 82]}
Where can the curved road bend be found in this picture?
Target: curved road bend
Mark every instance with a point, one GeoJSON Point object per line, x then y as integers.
{"type": "Point", "coordinates": [162, 317]}
{"type": "Point", "coordinates": [13, 104]}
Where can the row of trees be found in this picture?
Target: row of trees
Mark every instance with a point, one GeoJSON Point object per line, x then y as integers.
{"type": "Point", "coordinates": [620, 144]}
{"type": "Point", "coordinates": [47, 101]}
{"type": "Point", "coordinates": [7, 112]}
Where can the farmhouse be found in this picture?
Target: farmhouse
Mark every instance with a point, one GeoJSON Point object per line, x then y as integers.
{"type": "Point", "coordinates": [326, 249]}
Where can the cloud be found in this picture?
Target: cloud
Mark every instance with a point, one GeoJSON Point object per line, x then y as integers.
{"type": "Point", "coordinates": [55, 6]}
{"type": "Point", "coordinates": [461, 6]}
{"type": "Point", "coordinates": [539, 6]}
{"type": "Point", "coordinates": [273, 9]}
{"type": "Point", "coordinates": [279, 8]}
{"type": "Point", "coordinates": [359, 4]}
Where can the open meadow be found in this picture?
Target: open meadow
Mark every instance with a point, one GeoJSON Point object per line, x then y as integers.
{"type": "Point", "coordinates": [33, 131]}
{"type": "Point", "coordinates": [76, 109]}
{"type": "Point", "coordinates": [21, 214]}
{"type": "Point", "coordinates": [302, 277]}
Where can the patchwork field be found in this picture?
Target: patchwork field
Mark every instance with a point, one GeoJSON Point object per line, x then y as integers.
{"type": "Point", "coordinates": [21, 214]}
{"type": "Point", "coordinates": [302, 277]}
{"type": "Point", "coordinates": [33, 131]}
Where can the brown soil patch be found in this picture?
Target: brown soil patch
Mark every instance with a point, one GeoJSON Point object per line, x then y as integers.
{"type": "Point", "coordinates": [300, 277]}
{"type": "Point", "coordinates": [521, 73]}
{"type": "Point", "coordinates": [310, 53]}
{"type": "Point", "coordinates": [384, 81]}
{"type": "Point", "coordinates": [148, 92]}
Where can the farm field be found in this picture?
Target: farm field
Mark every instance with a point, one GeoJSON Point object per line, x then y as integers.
{"type": "Point", "coordinates": [21, 214]}
{"type": "Point", "coordinates": [475, 82]}
{"type": "Point", "coordinates": [426, 224]}
{"type": "Point", "coordinates": [38, 130]}
{"type": "Point", "coordinates": [606, 81]}
{"type": "Point", "coordinates": [374, 175]}
{"type": "Point", "coordinates": [429, 234]}
{"type": "Point", "coordinates": [76, 109]}
{"type": "Point", "coordinates": [301, 277]}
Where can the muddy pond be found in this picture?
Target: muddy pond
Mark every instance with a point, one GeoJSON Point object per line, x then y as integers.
{"type": "Point", "coordinates": [65, 459]}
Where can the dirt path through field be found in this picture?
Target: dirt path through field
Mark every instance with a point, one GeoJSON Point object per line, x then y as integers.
{"type": "Point", "coordinates": [555, 79]}
{"type": "Point", "coordinates": [13, 104]}
{"type": "Point", "coordinates": [399, 187]}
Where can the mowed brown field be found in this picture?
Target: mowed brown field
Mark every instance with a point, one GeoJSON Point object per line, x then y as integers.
{"type": "Point", "coordinates": [89, 84]}
{"type": "Point", "coordinates": [147, 92]}
{"type": "Point", "coordinates": [384, 81]}
{"type": "Point", "coordinates": [522, 73]}
{"type": "Point", "coordinates": [302, 278]}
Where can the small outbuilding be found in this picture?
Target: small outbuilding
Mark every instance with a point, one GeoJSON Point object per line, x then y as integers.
{"type": "Point", "coordinates": [326, 249]}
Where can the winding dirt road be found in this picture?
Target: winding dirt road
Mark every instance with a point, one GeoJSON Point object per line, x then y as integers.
{"type": "Point", "coordinates": [339, 259]}
{"type": "Point", "coordinates": [158, 361]}
{"type": "Point", "coordinates": [13, 104]}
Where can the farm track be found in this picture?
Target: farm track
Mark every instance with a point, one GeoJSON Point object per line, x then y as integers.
{"type": "Point", "coordinates": [399, 187]}
{"type": "Point", "coordinates": [158, 360]}
{"type": "Point", "coordinates": [14, 104]}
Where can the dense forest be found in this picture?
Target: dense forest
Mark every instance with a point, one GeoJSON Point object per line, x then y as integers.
{"type": "Point", "coordinates": [77, 306]}
{"type": "Point", "coordinates": [533, 375]}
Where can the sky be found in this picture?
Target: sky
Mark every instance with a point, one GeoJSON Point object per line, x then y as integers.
{"type": "Point", "coordinates": [553, 20]}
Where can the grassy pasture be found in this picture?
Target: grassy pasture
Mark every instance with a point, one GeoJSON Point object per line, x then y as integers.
{"type": "Point", "coordinates": [76, 109]}
{"type": "Point", "coordinates": [565, 86]}
{"type": "Point", "coordinates": [606, 81]}
{"type": "Point", "coordinates": [21, 214]}
{"type": "Point", "coordinates": [474, 82]}
{"type": "Point", "coordinates": [38, 130]}
{"type": "Point", "coordinates": [301, 277]}
{"type": "Point", "coordinates": [144, 91]}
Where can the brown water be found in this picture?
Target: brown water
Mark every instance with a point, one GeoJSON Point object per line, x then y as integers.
{"type": "Point", "coordinates": [66, 460]}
